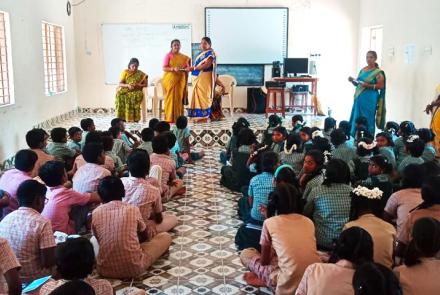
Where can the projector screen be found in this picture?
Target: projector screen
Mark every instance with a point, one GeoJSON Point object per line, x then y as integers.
{"type": "Point", "coordinates": [248, 35]}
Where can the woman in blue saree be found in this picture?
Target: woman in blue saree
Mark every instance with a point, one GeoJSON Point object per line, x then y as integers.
{"type": "Point", "coordinates": [369, 97]}
{"type": "Point", "coordinates": [203, 82]}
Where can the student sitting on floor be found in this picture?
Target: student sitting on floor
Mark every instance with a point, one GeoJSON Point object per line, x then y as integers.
{"type": "Point", "coordinates": [75, 260]}
{"type": "Point", "coordinates": [231, 146]}
{"type": "Point", "coordinates": [406, 129]}
{"type": "Point", "coordinates": [312, 172]}
{"type": "Point", "coordinates": [392, 128]}
{"type": "Point", "coordinates": [152, 123]}
{"type": "Point", "coordinates": [30, 234]}
{"type": "Point", "coordinates": [125, 249]}
{"type": "Point", "coordinates": [329, 203]}
{"type": "Point", "coordinates": [286, 175]}
{"type": "Point", "coordinates": [175, 154]}
{"type": "Point", "coordinates": [430, 207]}
{"type": "Point", "coordinates": [297, 124]}
{"type": "Point", "coordinates": [75, 135]}
{"type": "Point", "coordinates": [342, 150]}
{"type": "Point", "coordinates": [329, 126]}
{"type": "Point", "coordinates": [346, 127]}
{"type": "Point", "coordinates": [139, 192]}
{"type": "Point", "coordinates": [353, 248]}
{"type": "Point", "coordinates": [319, 142]}
{"type": "Point", "coordinates": [419, 274]}
{"type": "Point", "coordinates": [126, 135]}
{"type": "Point", "coordinates": [147, 135]}
{"type": "Point", "coordinates": [273, 122]}
{"type": "Point", "coordinates": [366, 212]}
{"type": "Point", "coordinates": [182, 133]}
{"type": "Point", "coordinates": [9, 270]}
{"type": "Point", "coordinates": [36, 139]}
{"type": "Point", "coordinates": [366, 148]}
{"type": "Point", "coordinates": [59, 148]}
{"type": "Point", "coordinates": [379, 175]}
{"type": "Point", "coordinates": [427, 136]}
{"type": "Point", "coordinates": [246, 138]}
{"type": "Point", "coordinates": [87, 177]}
{"type": "Point", "coordinates": [171, 186]}
{"type": "Point", "coordinates": [248, 235]}
{"type": "Point", "coordinates": [61, 200]}
{"type": "Point", "coordinates": [305, 134]}
{"type": "Point", "coordinates": [385, 143]}
{"type": "Point", "coordinates": [10, 181]}
{"type": "Point", "coordinates": [414, 146]}
{"type": "Point", "coordinates": [279, 135]}
{"type": "Point", "coordinates": [107, 145]}
{"type": "Point", "coordinates": [120, 147]}
{"type": "Point", "coordinates": [407, 198]}
{"type": "Point", "coordinates": [87, 125]}
{"type": "Point", "coordinates": [375, 279]}
{"type": "Point", "coordinates": [360, 125]}
{"type": "Point", "coordinates": [291, 154]}
{"type": "Point", "coordinates": [74, 287]}
{"type": "Point", "coordinates": [287, 233]}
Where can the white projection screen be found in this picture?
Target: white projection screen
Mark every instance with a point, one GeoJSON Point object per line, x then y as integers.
{"type": "Point", "coordinates": [248, 35]}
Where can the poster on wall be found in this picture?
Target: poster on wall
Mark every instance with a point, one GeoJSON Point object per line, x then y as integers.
{"type": "Point", "coordinates": [409, 54]}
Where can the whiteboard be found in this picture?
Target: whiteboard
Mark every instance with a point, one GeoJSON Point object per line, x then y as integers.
{"type": "Point", "coordinates": [248, 35]}
{"type": "Point", "coordinates": [147, 42]}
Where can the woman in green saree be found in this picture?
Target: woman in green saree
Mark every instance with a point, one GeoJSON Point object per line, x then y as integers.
{"type": "Point", "coordinates": [129, 95]}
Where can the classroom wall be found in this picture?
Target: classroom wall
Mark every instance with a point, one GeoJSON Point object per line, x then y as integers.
{"type": "Point", "coordinates": [410, 87]}
{"type": "Point", "coordinates": [32, 106]}
{"type": "Point", "coordinates": [316, 26]}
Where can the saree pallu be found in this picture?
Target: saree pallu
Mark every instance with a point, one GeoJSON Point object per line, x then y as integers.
{"type": "Point", "coordinates": [175, 87]}
{"type": "Point", "coordinates": [435, 124]}
{"type": "Point", "coordinates": [369, 103]}
{"type": "Point", "coordinates": [128, 102]}
{"type": "Point", "coordinates": [203, 86]}
{"type": "Point", "coordinates": [216, 107]}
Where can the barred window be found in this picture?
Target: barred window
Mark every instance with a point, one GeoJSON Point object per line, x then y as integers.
{"type": "Point", "coordinates": [53, 54]}
{"type": "Point", "coordinates": [6, 83]}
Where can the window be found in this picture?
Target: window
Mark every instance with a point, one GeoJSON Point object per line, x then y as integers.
{"type": "Point", "coordinates": [6, 82]}
{"type": "Point", "coordinates": [54, 62]}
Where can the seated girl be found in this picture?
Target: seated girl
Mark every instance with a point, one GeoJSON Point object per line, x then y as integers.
{"type": "Point", "coordinates": [312, 172]}
{"type": "Point", "coordinates": [287, 242]}
{"type": "Point", "coordinates": [427, 136]}
{"type": "Point", "coordinates": [329, 126]}
{"type": "Point", "coordinates": [297, 124]}
{"type": "Point", "coordinates": [379, 175]}
{"type": "Point", "coordinates": [419, 274]}
{"type": "Point", "coordinates": [406, 129]}
{"type": "Point", "coordinates": [353, 248]}
{"type": "Point", "coordinates": [385, 143]}
{"type": "Point", "coordinates": [279, 135]}
{"type": "Point", "coordinates": [392, 128]}
{"type": "Point", "coordinates": [292, 154]}
{"type": "Point", "coordinates": [366, 148]}
{"type": "Point", "coordinates": [285, 175]}
{"type": "Point", "coordinates": [346, 127]}
{"type": "Point", "coordinates": [232, 143]}
{"type": "Point", "coordinates": [414, 146]}
{"type": "Point", "coordinates": [374, 278]}
{"type": "Point", "coordinates": [273, 122]}
{"type": "Point", "coordinates": [305, 134]}
{"type": "Point", "coordinates": [342, 150]}
{"type": "Point", "coordinates": [329, 203]}
{"type": "Point", "coordinates": [366, 212]}
{"type": "Point", "coordinates": [246, 138]}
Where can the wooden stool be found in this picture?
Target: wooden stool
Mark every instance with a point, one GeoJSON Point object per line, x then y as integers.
{"type": "Point", "coordinates": [272, 96]}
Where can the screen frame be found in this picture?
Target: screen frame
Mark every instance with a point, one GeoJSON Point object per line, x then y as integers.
{"type": "Point", "coordinates": [296, 58]}
{"type": "Point", "coordinates": [261, 7]}
{"type": "Point", "coordinates": [244, 65]}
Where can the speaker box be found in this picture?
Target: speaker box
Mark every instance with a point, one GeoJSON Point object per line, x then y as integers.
{"type": "Point", "coordinates": [276, 69]}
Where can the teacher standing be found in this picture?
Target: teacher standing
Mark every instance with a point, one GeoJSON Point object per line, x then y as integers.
{"type": "Point", "coordinates": [129, 95]}
{"type": "Point", "coordinates": [175, 82]}
{"type": "Point", "coordinates": [203, 83]}
{"type": "Point", "coordinates": [369, 97]}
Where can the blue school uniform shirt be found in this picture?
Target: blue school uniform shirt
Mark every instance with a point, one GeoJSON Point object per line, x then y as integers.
{"type": "Point", "coordinates": [83, 139]}
{"type": "Point", "coordinates": [125, 138]}
{"type": "Point", "coordinates": [428, 153]}
{"type": "Point", "coordinates": [408, 161]}
{"type": "Point", "coordinates": [74, 145]}
{"type": "Point", "coordinates": [344, 152]}
{"type": "Point", "coordinates": [388, 152]}
{"type": "Point", "coordinates": [259, 188]}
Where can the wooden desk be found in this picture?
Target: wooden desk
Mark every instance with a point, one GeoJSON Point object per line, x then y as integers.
{"type": "Point", "coordinates": [314, 90]}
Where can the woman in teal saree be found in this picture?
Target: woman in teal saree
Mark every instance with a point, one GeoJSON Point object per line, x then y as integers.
{"type": "Point", "coordinates": [369, 97]}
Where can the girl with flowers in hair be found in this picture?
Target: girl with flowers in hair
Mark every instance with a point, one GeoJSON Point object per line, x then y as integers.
{"type": "Point", "coordinates": [342, 150]}
{"type": "Point", "coordinates": [366, 148]}
{"type": "Point", "coordinates": [406, 129]}
{"type": "Point", "coordinates": [385, 143]}
{"type": "Point", "coordinates": [414, 147]}
{"type": "Point", "coordinates": [379, 175]}
{"type": "Point", "coordinates": [292, 154]}
{"type": "Point", "coordinates": [366, 212]}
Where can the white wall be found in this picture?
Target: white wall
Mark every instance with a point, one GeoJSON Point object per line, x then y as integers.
{"type": "Point", "coordinates": [410, 86]}
{"type": "Point", "coordinates": [31, 105]}
{"type": "Point", "coordinates": [328, 27]}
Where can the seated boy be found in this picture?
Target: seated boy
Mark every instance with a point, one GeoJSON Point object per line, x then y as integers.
{"type": "Point", "coordinates": [9, 270]}
{"type": "Point", "coordinates": [139, 192]}
{"type": "Point", "coordinates": [75, 260]}
{"type": "Point", "coordinates": [10, 181]}
{"type": "Point", "coordinates": [171, 186]}
{"type": "Point", "coordinates": [87, 125]}
{"type": "Point", "coordinates": [75, 135]}
{"type": "Point", "coordinates": [58, 147]}
{"type": "Point", "coordinates": [147, 135]}
{"type": "Point", "coordinates": [61, 200]}
{"type": "Point", "coordinates": [107, 144]}
{"type": "Point", "coordinates": [87, 177]}
{"type": "Point", "coordinates": [182, 133]}
{"type": "Point", "coordinates": [120, 147]}
{"type": "Point", "coordinates": [123, 248]}
{"type": "Point", "coordinates": [174, 148]}
{"type": "Point", "coordinates": [30, 234]}
{"type": "Point", "coordinates": [36, 139]}
{"type": "Point", "coordinates": [126, 135]}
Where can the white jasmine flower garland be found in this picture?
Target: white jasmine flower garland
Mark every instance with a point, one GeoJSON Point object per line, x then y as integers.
{"type": "Point", "coordinates": [365, 192]}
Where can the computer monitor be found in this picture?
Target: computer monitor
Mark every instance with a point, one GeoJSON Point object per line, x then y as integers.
{"type": "Point", "coordinates": [296, 66]}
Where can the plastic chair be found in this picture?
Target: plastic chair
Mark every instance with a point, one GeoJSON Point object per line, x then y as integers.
{"type": "Point", "coordinates": [229, 82]}
{"type": "Point", "coordinates": [156, 95]}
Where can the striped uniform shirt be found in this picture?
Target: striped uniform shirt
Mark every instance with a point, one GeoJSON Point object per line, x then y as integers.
{"type": "Point", "coordinates": [87, 178]}
{"type": "Point", "coordinates": [294, 159]}
{"type": "Point", "coordinates": [168, 166]}
{"type": "Point", "coordinates": [8, 261]}
{"type": "Point", "coordinates": [60, 150]}
{"type": "Point", "coordinates": [388, 152]}
{"type": "Point", "coordinates": [101, 287]}
{"type": "Point", "coordinates": [344, 152]}
{"type": "Point", "coordinates": [259, 188]}
{"type": "Point", "coordinates": [408, 161]}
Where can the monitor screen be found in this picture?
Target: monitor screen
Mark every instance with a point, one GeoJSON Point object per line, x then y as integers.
{"type": "Point", "coordinates": [296, 66]}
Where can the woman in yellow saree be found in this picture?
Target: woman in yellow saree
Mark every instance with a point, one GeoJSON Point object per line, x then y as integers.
{"type": "Point", "coordinates": [203, 83]}
{"type": "Point", "coordinates": [434, 110]}
{"type": "Point", "coordinates": [175, 82]}
{"type": "Point", "coordinates": [129, 95]}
